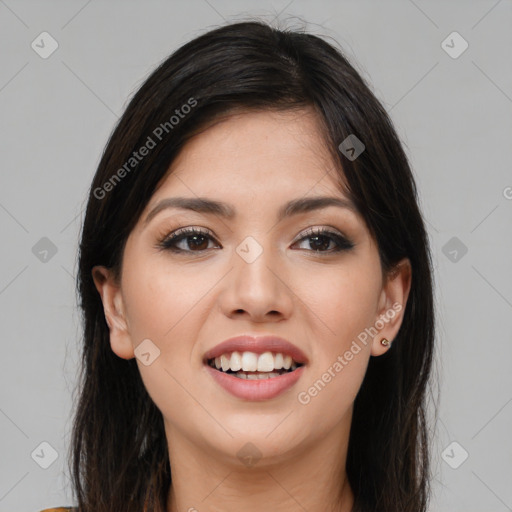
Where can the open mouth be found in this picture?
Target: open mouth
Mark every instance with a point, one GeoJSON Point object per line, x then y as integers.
{"type": "Point", "coordinates": [252, 366]}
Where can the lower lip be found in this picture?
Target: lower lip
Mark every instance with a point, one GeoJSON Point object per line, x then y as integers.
{"type": "Point", "coordinates": [261, 389]}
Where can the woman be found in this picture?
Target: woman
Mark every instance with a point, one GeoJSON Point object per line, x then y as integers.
{"type": "Point", "coordinates": [256, 287]}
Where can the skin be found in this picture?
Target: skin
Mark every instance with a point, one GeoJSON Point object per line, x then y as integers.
{"type": "Point", "coordinates": [187, 303]}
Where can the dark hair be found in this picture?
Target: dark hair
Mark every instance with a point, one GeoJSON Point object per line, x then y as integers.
{"type": "Point", "coordinates": [121, 464]}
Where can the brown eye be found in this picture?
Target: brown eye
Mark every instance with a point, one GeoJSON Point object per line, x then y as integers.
{"type": "Point", "coordinates": [321, 240]}
{"type": "Point", "coordinates": [196, 240]}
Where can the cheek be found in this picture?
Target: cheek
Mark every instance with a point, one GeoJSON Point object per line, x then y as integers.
{"type": "Point", "coordinates": [162, 298]}
{"type": "Point", "coordinates": [328, 395]}
{"type": "Point", "coordinates": [167, 305]}
{"type": "Point", "coordinates": [345, 301]}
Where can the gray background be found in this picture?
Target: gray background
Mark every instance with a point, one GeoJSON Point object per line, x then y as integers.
{"type": "Point", "coordinates": [454, 116]}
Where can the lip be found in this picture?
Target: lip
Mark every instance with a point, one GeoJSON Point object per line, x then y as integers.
{"type": "Point", "coordinates": [258, 345]}
{"type": "Point", "coordinates": [256, 390]}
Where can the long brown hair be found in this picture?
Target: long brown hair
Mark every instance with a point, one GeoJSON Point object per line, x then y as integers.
{"type": "Point", "coordinates": [119, 457]}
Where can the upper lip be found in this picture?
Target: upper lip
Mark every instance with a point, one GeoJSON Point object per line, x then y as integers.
{"type": "Point", "coordinates": [258, 345]}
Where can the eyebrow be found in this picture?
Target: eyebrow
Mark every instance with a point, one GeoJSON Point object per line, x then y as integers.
{"type": "Point", "coordinates": [212, 207]}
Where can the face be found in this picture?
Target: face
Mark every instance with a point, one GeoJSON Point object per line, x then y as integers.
{"type": "Point", "coordinates": [311, 277]}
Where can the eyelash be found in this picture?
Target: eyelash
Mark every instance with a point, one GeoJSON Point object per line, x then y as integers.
{"type": "Point", "coordinates": [168, 243]}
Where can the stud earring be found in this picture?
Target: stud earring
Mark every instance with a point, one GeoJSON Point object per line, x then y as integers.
{"type": "Point", "coordinates": [385, 342]}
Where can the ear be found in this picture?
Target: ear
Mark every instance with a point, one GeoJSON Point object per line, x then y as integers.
{"type": "Point", "coordinates": [113, 306]}
{"type": "Point", "coordinates": [392, 302]}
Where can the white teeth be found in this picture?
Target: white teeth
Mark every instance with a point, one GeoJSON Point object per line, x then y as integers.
{"type": "Point", "coordinates": [257, 376]}
{"type": "Point", "coordinates": [236, 361]}
{"type": "Point", "coordinates": [224, 362]}
{"type": "Point", "coordinates": [249, 362]}
{"type": "Point", "coordinates": [266, 362]}
{"type": "Point", "coordinates": [268, 375]}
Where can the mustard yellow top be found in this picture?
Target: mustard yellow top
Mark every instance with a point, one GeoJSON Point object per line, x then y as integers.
{"type": "Point", "coordinates": [59, 509]}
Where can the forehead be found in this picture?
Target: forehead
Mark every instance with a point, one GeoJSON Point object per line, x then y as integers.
{"type": "Point", "coordinates": [256, 153]}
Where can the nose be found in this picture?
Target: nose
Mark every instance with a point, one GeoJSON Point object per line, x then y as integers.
{"type": "Point", "coordinates": [257, 287]}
